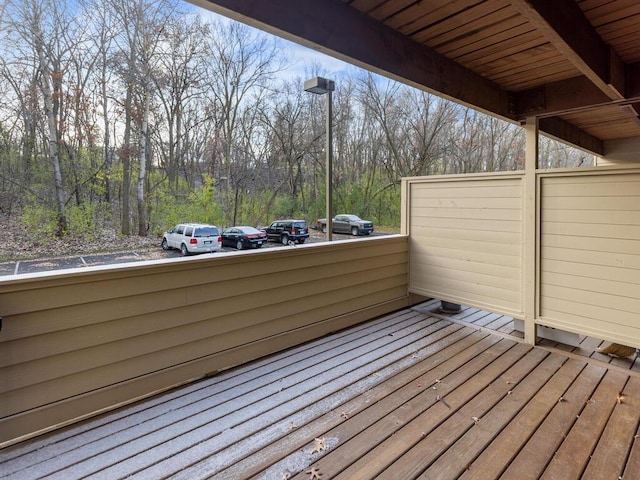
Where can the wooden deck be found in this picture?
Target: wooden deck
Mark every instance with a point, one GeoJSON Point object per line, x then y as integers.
{"type": "Point", "coordinates": [410, 395]}
{"type": "Point", "coordinates": [501, 324]}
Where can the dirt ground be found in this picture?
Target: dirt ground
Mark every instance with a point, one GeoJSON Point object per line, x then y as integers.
{"type": "Point", "coordinates": [17, 242]}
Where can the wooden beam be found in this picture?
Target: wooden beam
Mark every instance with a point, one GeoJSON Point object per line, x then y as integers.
{"type": "Point", "coordinates": [565, 96]}
{"type": "Point", "coordinates": [563, 23]}
{"type": "Point", "coordinates": [335, 28]}
{"type": "Point", "coordinates": [633, 80]}
{"type": "Point", "coordinates": [557, 128]}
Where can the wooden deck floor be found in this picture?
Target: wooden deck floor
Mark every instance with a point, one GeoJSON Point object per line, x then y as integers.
{"type": "Point", "coordinates": [587, 346]}
{"type": "Point", "coordinates": [409, 395]}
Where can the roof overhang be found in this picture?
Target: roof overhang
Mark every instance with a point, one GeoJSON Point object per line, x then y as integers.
{"type": "Point", "coordinates": [577, 70]}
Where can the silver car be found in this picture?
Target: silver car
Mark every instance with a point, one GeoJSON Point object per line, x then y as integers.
{"type": "Point", "coordinates": [192, 238]}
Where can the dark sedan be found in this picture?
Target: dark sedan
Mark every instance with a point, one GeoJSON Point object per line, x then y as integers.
{"type": "Point", "coordinates": [243, 237]}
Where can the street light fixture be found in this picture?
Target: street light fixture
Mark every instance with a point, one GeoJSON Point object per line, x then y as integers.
{"type": "Point", "coordinates": [321, 86]}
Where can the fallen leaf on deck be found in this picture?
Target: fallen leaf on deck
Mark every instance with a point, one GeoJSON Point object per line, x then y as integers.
{"type": "Point", "coordinates": [319, 446]}
{"type": "Point", "coordinates": [475, 420]}
{"type": "Point", "coordinates": [344, 415]}
{"type": "Point", "coordinates": [315, 473]}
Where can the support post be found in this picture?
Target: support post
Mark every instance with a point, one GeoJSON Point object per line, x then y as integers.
{"type": "Point", "coordinates": [530, 230]}
{"type": "Point", "coordinates": [329, 166]}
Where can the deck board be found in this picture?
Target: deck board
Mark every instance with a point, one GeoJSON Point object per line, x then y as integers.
{"type": "Point", "coordinates": [574, 453]}
{"type": "Point", "coordinates": [534, 457]}
{"type": "Point", "coordinates": [456, 460]}
{"type": "Point", "coordinates": [414, 394]}
{"type": "Point", "coordinates": [513, 436]}
{"type": "Point", "coordinates": [398, 429]}
{"type": "Point", "coordinates": [356, 430]}
{"type": "Point", "coordinates": [508, 372]}
{"type": "Point", "coordinates": [618, 436]}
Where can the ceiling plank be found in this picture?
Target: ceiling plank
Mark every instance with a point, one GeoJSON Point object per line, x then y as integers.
{"type": "Point", "coordinates": [563, 23]}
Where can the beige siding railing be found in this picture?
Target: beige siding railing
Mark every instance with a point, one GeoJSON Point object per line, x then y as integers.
{"type": "Point", "coordinates": [465, 239]}
{"type": "Point", "coordinates": [466, 246]}
{"type": "Point", "coordinates": [77, 342]}
{"type": "Point", "coordinates": [590, 253]}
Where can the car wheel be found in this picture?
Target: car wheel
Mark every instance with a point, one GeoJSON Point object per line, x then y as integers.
{"type": "Point", "coordinates": [165, 244]}
{"type": "Point", "coordinates": [324, 229]}
{"type": "Point", "coordinates": [301, 240]}
{"type": "Point", "coordinates": [284, 239]}
{"type": "Point", "coordinates": [183, 250]}
{"type": "Point", "coordinates": [239, 245]}
{"type": "Point", "coordinates": [354, 231]}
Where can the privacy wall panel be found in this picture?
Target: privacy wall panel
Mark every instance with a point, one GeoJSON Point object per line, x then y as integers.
{"type": "Point", "coordinates": [590, 253]}
{"type": "Point", "coordinates": [466, 239]}
{"type": "Point", "coordinates": [77, 342]}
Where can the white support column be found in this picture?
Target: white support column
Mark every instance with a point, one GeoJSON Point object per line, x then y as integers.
{"type": "Point", "coordinates": [530, 230]}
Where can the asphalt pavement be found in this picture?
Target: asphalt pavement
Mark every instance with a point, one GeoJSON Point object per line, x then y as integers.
{"type": "Point", "coordinates": [89, 260]}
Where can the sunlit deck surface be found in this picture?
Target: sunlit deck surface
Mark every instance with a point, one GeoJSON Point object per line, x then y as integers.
{"type": "Point", "coordinates": [414, 394]}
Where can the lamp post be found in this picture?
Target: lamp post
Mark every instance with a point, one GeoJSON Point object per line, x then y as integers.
{"type": "Point", "coordinates": [321, 86]}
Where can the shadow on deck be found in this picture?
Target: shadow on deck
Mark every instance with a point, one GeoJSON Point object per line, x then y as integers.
{"type": "Point", "coordinates": [413, 394]}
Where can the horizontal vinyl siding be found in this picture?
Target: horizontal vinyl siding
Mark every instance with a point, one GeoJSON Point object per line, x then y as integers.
{"type": "Point", "coordinates": [466, 240]}
{"type": "Point", "coordinates": [81, 341]}
{"type": "Point", "coordinates": [590, 254]}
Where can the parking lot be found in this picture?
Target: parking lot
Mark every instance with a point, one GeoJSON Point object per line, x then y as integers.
{"type": "Point", "coordinates": [93, 259]}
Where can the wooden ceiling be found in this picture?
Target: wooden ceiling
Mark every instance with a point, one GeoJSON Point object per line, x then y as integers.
{"type": "Point", "coordinates": [574, 64]}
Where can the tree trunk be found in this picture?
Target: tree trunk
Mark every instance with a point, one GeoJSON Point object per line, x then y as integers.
{"type": "Point", "coordinates": [54, 153]}
{"type": "Point", "coordinates": [126, 165]}
{"type": "Point", "coordinates": [142, 206]}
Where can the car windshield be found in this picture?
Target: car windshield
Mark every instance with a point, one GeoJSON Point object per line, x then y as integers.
{"type": "Point", "coordinates": [249, 230]}
{"type": "Point", "coordinates": [206, 232]}
{"type": "Point", "coordinates": [352, 218]}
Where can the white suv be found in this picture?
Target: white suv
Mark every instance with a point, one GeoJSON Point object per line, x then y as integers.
{"type": "Point", "coordinates": [192, 238]}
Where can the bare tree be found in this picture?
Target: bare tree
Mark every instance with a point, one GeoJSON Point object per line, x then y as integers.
{"type": "Point", "coordinates": [180, 81]}
{"type": "Point", "coordinates": [413, 122]}
{"type": "Point", "coordinates": [243, 65]}
{"type": "Point", "coordinates": [289, 141]}
{"type": "Point", "coordinates": [141, 23]}
{"type": "Point", "coordinates": [42, 28]}
{"type": "Point", "coordinates": [103, 32]}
